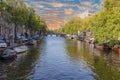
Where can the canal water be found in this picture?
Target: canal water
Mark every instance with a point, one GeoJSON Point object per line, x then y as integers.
{"type": "Point", "coordinates": [56, 58]}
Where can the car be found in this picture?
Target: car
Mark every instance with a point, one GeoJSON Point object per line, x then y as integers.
{"type": "Point", "coordinates": [23, 39]}
{"type": "Point", "coordinates": [36, 37]}
{"type": "Point", "coordinates": [3, 44]}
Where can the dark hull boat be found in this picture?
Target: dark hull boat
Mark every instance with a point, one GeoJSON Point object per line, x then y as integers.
{"type": "Point", "coordinates": [8, 53]}
{"type": "Point", "coordinates": [102, 47]}
{"type": "Point", "coordinates": [32, 42]}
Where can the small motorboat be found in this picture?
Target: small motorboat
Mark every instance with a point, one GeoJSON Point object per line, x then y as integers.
{"type": "Point", "coordinates": [21, 49]}
{"type": "Point", "coordinates": [8, 53]}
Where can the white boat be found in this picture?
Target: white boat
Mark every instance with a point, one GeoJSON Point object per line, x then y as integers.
{"type": "Point", "coordinates": [21, 49]}
{"type": "Point", "coordinates": [49, 35]}
{"type": "Point", "coordinates": [8, 53]}
{"type": "Point", "coordinates": [53, 35]}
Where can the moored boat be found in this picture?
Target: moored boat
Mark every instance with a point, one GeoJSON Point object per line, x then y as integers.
{"type": "Point", "coordinates": [21, 49]}
{"type": "Point", "coordinates": [116, 50]}
{"type": "Point", "coordinates": [32, 42]}
{"type": "Point", "coordinates": [8, 53]}
{"type": "Point", "coordinates": [102, 47]}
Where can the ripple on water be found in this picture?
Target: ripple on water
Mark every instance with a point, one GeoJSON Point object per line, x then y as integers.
{"type": "Point", "coordinates": [55, 63]}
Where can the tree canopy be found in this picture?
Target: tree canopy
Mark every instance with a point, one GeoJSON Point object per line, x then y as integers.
{"type": "Point", "coordinates": [21, 14]}
{"type": "Point", "coordinates": [105, 24]}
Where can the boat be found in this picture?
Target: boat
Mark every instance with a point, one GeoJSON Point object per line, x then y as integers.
{"type": "Point", "coordinates": [21, 49]}
{"type": "Point", "coordinates": [8, 53]}
{"type": "Point", "coordinates": [48, 35]}
{"type": "Point", "coordinates": [32, 42]}
{"type": "Point", "coordinates": [53, 35]}
{"type": "Point", "coordinates": [102, 47]}
{"type": "Point", "coordinates": [116, 49]}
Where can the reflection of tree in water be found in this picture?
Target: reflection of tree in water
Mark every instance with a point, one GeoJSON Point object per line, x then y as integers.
{"type": "Point", "coordinates": [7, 67]}
{"type": "Point", "coordinates": [26, 65]}
{"type": "Point", "coordinates": [20, 68]}
{"type": "Point", "coordinates": [77, 50]}
{"type": "Point", "coordinates": [72, 51]}
{"type": "Point", "coordinates": [103, 68]}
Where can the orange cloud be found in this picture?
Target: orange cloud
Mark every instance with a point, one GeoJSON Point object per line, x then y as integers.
{"type": "Point", "coordinates": [55, 24]}
{"type": "Point", "coordinates": [86, 3]}
{"type": "Point", "coordinates": [47, 3]}
{"type": "Point", "coordinates": [68, 11]}
{"type": "Point", "coordinates": [57, 4]}
{"type": "Point", "coordinates": [35, 4]}
{"type": "Point", "coordinates": [82, 8]}
{"type": "Point", "coordinates": [47, 9]}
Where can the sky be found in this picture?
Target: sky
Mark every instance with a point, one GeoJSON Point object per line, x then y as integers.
{"type": "Point", "coordinates": [57, 12]}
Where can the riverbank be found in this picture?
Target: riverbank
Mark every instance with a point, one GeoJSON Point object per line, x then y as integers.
{"type": "Point", "coordinates": [110, 55]}
{"type": "Point", "coordinates": [20, 46]}
{"type": "Point", "coordinates": [88, 38]}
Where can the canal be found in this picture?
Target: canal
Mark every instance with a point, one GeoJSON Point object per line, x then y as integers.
{"type": "Point", "coordinates": [56, 58]}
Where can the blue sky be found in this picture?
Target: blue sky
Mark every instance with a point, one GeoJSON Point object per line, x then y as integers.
{"type": "Point", "coordinates": [58, 12]}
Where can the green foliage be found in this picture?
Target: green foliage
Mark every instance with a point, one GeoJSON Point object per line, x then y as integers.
{"type": "Point", "coordinates": [20, 14]}
{"type": "Point", "coordinates": [35, 23]}
{"type": "Point", "coordinates": [107, 27]}
{"type": "Point", "coordinates": [105, 24]}
{"type": "Point", "coordinates": [73, 26]}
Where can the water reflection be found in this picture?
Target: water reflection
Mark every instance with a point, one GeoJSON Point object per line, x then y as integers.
{"type": "Point", "coordinates": [21, 67]}
{"type": "Point", "coordinates": [100, 63]}
{"type": "Point", "coordinates": [6, 69]}
{"type": "Point", "coordinates": [56, 58]}
{"type": "Point", "coordinates": [27, 62]}
{"type": "Point", "coordinates": [55, 63]}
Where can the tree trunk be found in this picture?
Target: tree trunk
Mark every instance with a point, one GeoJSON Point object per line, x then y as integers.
{"type": "Point", "coordinates": [15, 33]}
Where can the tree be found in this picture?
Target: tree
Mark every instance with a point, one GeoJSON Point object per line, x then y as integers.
{"type": "Point", "coordinates": [19, 14]}
{"type": "Point", "coordinates": [105, 24]}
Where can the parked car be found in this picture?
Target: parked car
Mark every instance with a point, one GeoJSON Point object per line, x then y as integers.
{"type": "Point", "coordinates": [36, 37]}
{"type": "Point", "coordinates": [3, 44]}
{"type": "Point", "coordinates": [23, 39]}
{"type": "Point", "coordinates": [19, 36]}
{"type": "Point", "coordinates": [32, 42]}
